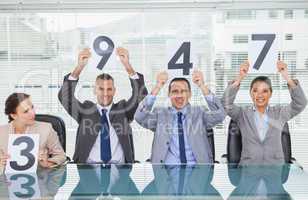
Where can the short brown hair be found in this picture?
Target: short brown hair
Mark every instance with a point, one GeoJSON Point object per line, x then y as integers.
{"type": "Point", "coordinates": [104, 76]}
{"type": "Point", "coordinates": [12, 102]}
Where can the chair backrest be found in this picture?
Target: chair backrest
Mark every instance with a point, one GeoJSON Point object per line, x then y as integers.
{"type": "Point", "coordinates": [234, 143]}
{"type": "Point", "coordinates": [57, 124]}
{"type": "Point", "coordinates": [210, 133]}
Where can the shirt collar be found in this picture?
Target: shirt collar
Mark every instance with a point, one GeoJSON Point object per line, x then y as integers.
{"type": "Point", "coordinates": [100, 107]}
{"type": "Point", "coordinates": [255, 109]}
{"type": "Point", "coordinates": [183, 110]}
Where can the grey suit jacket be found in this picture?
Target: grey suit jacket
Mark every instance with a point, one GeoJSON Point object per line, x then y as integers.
{"type": "Point", "coordinates": [86, 114]}
{"type": "Point", "coordinates": [159, 120]}
{"type": "Point", "coordinates": [270, 151]}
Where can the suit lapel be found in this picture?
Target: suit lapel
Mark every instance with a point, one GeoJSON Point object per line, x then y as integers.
{"type": "Point", "coordinates": [112, 113]}
{"type": "Point", "coordinates": [271, 123]}
{"type": "Point", "coordinates": [95, 129]}
{"type": "Point", "coordinates": [114, 123]}
{"type": "Point", "coordinates": [189, 123]}
{"type": "Point", "coordinates": [169, 123]}
{"type": "Point", "coordinates": [251, 120]}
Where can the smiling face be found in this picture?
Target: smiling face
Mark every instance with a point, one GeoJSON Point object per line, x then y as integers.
{"type": "Point", "coordinates": [104, 91]}
{"type": "Point", "coordinates": [260, 94]}
{"type": "Point", "coordinates": [24, 113]}
{"type": "Point", "coordinates": [179, 94]}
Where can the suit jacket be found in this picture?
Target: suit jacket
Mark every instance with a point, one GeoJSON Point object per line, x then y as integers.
{"type": "Point", "coordinates": [88, 117]}
{"type": "Point", "coordinates": [159, 120]}
{"type": "Point", "coordinates": [268, 151]}
{"type": "Point", "coordinates": [48, 139]}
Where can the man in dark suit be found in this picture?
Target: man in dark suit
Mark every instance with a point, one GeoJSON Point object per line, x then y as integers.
{"type": "Point", "coordinates": [104, 133]}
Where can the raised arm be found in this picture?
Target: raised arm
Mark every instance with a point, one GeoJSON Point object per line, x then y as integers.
{"type": "Point", "coordinates": [66, 94]}
{"type": "Point", "coordinates": [298, 98]}
{"type": "Point", "coordinates": [230, 93]}
{"type": "Point", "coordinates": [139, 90]}
{"type": "Point", "coordinates": [216, 114]}
{"type": "Point", "coordinates": [145, 115]}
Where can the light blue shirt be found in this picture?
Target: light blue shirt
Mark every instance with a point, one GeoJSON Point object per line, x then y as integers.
{"type": "Point", "coordinates": [261, 121]}
{"type": "Point", "coordinates": [173, 154]}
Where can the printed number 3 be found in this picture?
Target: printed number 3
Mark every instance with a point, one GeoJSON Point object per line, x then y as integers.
{"type": "Point", "coordinates": [25, 152]}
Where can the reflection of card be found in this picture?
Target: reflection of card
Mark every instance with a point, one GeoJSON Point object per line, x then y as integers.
{"type": "Point", "coordinates": [263, 53]}
{"type": "Point", "coordinates": [23, 150]}
{"type": "Point", "coordinates": [180, 58]}
{"type": "Point", "coordinates": [103, 52]}
{"type": "Point", "coordinates": [23, 186]}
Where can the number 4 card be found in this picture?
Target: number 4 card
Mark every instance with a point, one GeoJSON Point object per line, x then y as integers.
{"type": "Point", "coordinates": [23, 150]}
{"type": "Point", "coordinates": [263, 53]}
{"type": "Point", "coordinates": [180, 58]}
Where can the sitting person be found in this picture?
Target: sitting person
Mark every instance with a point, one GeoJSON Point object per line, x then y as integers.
{"type": "Point", "coordinates": [260, 124]}
{"type": "Point", "coordinates": [181, 135]}
{"type": "Point", "coordinates": [20, 111]}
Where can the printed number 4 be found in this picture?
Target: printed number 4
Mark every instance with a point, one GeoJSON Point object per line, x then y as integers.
{"type": "Point", "coordinates": [186, 65]}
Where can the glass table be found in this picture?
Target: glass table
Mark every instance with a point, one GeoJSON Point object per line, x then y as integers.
{"type": "Point", "coordinates": [147, 181]}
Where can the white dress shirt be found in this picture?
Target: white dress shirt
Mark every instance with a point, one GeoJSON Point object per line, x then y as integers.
{"type": "Point", "coordinates": [117, 154]}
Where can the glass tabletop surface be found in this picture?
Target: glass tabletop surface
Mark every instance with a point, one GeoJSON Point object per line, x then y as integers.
{"type": "Point", "coordinates": [97, 181]}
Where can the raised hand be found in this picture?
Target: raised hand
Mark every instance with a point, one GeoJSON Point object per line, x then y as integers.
{"type": "Point", "coordinates": [83, 57]}
{"type": "Point", "coordinates": [124, 58]}
{"type": "Point", "coordinates": [244, 67]}
{"type": "Point", "coordinates": [282, 68]}
{"type": "Point", "coordinates": [197, 78]}
{"type": "Point", "coordinates": [161, 79]}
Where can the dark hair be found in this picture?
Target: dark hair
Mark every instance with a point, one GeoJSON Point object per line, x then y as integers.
{"type": "Point", "coordinates": [264, 79]}
{"type": "Point", "coordinates": [12, 103]}
{"type": "Point", "coordinates": [104, 76]}
{"type": "Point", "coordinates": [178, 79]}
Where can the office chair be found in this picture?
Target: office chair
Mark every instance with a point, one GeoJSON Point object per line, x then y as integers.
{"type": "Point", "coordinates": [210, 137]}
{"type": "Point", "coordinates": [57, 124]}
{"type": "Point", "coordinates": [234, 144]}
{"type": "Point", "coordinates": [210, 133]}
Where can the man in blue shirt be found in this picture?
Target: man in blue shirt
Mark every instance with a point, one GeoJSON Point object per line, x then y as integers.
{"type": "Point", "coordinates": [180, 130]}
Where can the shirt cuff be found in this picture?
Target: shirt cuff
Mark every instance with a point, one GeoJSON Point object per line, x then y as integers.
{"type": "Point", "coordinates": [134, 76]}
{"type": "Point", "coordinates": [150, 100]}
{"type": "Point", "coordinates": [209, 97]}
{"type": "Point", "coordinates": [71, 78]}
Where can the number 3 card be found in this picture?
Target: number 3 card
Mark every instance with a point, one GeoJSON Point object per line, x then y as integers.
{"type": "Point", "coordinates": [23, 150]}
{"type": "Point", "coordinates": [263, 53]}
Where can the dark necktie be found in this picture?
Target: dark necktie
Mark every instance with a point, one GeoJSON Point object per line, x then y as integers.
{"type": "Point", "coordinates": [105, 138]}
{"type": "Point", "coordinates": [181, 138]}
